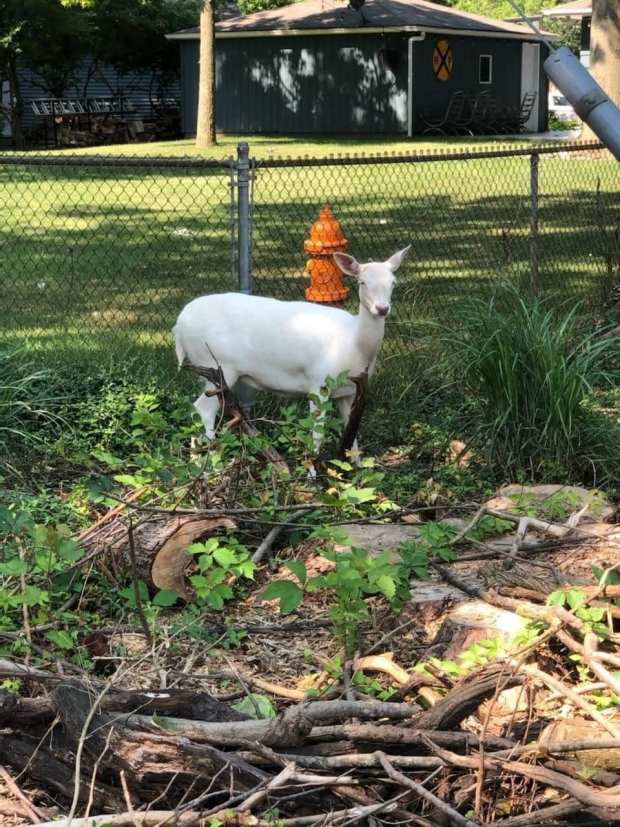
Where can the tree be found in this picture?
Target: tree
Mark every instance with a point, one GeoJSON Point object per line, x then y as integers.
{"type": "Point", "coordinates": [205, 122]}
{"type": "Point", "coordinates": [605, 51]}
{"type": "Point", "coordinates": [205, 126]}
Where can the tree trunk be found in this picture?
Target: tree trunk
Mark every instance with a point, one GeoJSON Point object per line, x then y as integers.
{"type": "Point", "coordinates": [16, 104]}
{"type": "Point", "coordinates": [605, 51]}
{"type": "Point", "coordinates": [205, 128]}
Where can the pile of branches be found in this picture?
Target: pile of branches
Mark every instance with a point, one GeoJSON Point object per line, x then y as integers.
{"type": "Point", "coordinates": [184, 757]}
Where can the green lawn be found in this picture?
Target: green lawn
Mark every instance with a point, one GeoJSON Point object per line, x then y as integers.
{"type": "Point", "coordinates": [98, 260]}
{"type": "Point", "coordinates": [266, 146]}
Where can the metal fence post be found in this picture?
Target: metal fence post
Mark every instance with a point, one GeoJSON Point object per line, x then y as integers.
{"type": "Point", "coordinates": [534, 271]}
{"type": "Point", "coordinates": [245, 394]}
{"type": "Point", "coordinates": [243, 217]}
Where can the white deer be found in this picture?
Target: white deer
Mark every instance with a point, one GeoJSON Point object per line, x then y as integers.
{"type": "Point", "coordinates": [288, 347]}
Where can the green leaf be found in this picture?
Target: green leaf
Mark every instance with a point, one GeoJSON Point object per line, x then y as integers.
{"type": "Point", "coordinates": [387, 586]}
{"type": "Point", "coordinates": [165, 597]}
{"type": "Point", "coordinates": [14, 567]}
{"type": "Point", "coordinates": [246, 569]}
{"type": "Point", "coordinates": [129, 593]}
{"type": "Point", "coordinates": [215, 600]}
{"type": "Point", "coordinates": [298, 569]}
{"type": "Point", "coordinates": [225, 557]}
{"type": "Point", "coordinates": [344, 466]}
{"type": "Point", "coordinates": [256, 706]}
{"type": "Point", "coordinates": [33, 596]}
{"type": "Point", "coordinates": [288, 593]}
{"type": "Point", "coordinates": [557, 598]}
{"type": "Point", "coordinates": [132, 480]}
{"type": "Point", "coordinates": [61, 639]}
{"type": "Point", "coordinates": [575, 598]}
{"type": "Point", "coordinates": [70, 550]}
{"type": "Point", "coordinates": [359, 495]}
{"type": "Point", "coordinates": [205, 561]}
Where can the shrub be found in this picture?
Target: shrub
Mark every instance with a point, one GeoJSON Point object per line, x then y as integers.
{"type": "Point", "coordinates": [531, 375]}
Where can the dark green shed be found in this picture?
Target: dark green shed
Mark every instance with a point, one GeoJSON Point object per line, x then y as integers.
{"type": "Point", "coordinates": [319, 66]}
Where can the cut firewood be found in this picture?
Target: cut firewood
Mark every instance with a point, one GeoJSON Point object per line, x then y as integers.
{"type": "Point", "coordinates": [580, 729]}
{"type": "Point", "coordinates": [383, 663]}
{"type": "Point", "coordinates": [160, 544]}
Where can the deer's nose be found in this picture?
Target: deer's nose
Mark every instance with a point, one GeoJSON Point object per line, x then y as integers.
{"type": "Point", "coordinates": [382, 309]}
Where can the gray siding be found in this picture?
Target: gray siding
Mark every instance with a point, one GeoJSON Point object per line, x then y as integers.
{"type": "Point", "coordinates": [343, 83]}
{"type": "Point", "coordinates": [431, 96]}
{"type": "Point", "coordinates": [331, 84]}
{"type": "Point", "coordinates": [104, 82]}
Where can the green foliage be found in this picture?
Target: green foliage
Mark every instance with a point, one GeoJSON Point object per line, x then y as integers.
{"type": "Point", "coordinates": [500, 9]}
{"type": "Point", "coordinates": [567, 32]}
{"type": "Point", "coordinates": [218, 560]}
{"type": "Point", "coordinates": [560, 124]}
{"type": "Point", "coordinates": [256, 706]}
{"type": "Point", "coordinates": [531, 375]}
{"type": "Point", "coordinates": [576, 601]}
{"type": "Point", "coordinates": [251, 6]}
{"type": "Point", "coordinates": [27, 404]}
{"type": "Point", "coordinates": [35, 565]}
{"type": "Point", "coordinates": [357, 575]}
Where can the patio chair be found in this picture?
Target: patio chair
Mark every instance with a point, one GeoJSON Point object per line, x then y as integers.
{"type": "Point", "coordinates": [452, 116]}
{"type": "Point", "coordinates": [527, 105]}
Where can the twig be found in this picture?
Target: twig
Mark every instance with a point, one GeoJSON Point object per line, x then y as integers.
{"type": "Point", "coordinates": [536, 817]}
{"type": "Point", "coordinates": [32, 812]}
{"type": "Point", "coordinates": [384, 638]}
{"type": "Point", "coordinates": [127, 797]}
{"type": "Point", "coordinates": [577, 700]}
{"type": "Point", "coordinates": [22, 584]}
{"type": "Point", "coordinates": [279, 781]}
{"type": "Point", "coordinates": [395, 775]}
{"type": "Point", "coordinates": [267, 543]}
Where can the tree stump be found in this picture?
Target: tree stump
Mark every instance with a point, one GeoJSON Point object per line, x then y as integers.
{"type": "Point", "coordinates": [160, 544]}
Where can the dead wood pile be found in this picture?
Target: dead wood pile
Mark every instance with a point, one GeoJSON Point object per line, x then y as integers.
{"type": "Point", "coordinates": [529, 737]}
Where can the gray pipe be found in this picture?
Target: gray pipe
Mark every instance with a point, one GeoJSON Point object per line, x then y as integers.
{"type": "Point", "coordinates": [586, 97]}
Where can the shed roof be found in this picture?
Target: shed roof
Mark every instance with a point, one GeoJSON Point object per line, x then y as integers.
{"type": "Point", "coordinates": [326, 16]}
{"type": "Point", "coordinates": [576, 8]}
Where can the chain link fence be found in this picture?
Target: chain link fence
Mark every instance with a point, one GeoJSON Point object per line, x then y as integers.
{"type": "Point", "coordinates": [98, 254]}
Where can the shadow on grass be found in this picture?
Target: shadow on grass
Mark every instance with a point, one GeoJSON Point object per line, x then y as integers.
{"type": "Point", "coordinates": [96, 262]}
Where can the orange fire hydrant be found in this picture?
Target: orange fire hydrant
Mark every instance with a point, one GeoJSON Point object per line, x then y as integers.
{"type": "Point", "coordinates": [326, 237]}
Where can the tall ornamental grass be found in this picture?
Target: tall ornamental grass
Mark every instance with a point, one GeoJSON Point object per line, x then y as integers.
{"type": "Point", "coordinates": [532, 377]}
{"type": "Point", "coordinates": [26, 405]}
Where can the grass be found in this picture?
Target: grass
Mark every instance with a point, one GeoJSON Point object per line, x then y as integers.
{"type": "Point", "coordinates": [96, 261]}
{"type": "Point", "coordinates": [27, 404]}
{"type": "Point", "coordinates": [266, 146]}
{"type": "Point", "coordinates": [532, 373]}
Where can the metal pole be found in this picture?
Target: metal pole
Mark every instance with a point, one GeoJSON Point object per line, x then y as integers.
{"type": "Point", "coordinates": [243, 202]}
{"type": "Point", "coordinates": [244, 393]}
{"type": "Point", "coordinates": [534, 273]}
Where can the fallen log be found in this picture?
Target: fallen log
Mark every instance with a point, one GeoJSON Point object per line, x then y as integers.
{"type": "Point", "coordinates": [26, 754]}
{"type": "Point", "coordinates": [287, 730]}
{"type": "Point", "coordinates": [184, 703]}
{"type": "Point", "coordinates": [386, 734]}
{"type": "Point", "coordinates": [467, 696]}
{"type": "Point", "coordinates": [160, 545]}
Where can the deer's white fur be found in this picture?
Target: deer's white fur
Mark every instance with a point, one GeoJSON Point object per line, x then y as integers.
{"type": "Point", "coordinates": [288, 347]}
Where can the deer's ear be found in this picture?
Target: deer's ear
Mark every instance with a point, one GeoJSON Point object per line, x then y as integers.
{"type": "Point", "coordinates": [348, 264]}
{"type": "Point", "coordinates": [397, 259]}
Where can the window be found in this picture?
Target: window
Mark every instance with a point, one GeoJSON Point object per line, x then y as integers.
{"type": "Point", "coordinates": [485, 69]}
